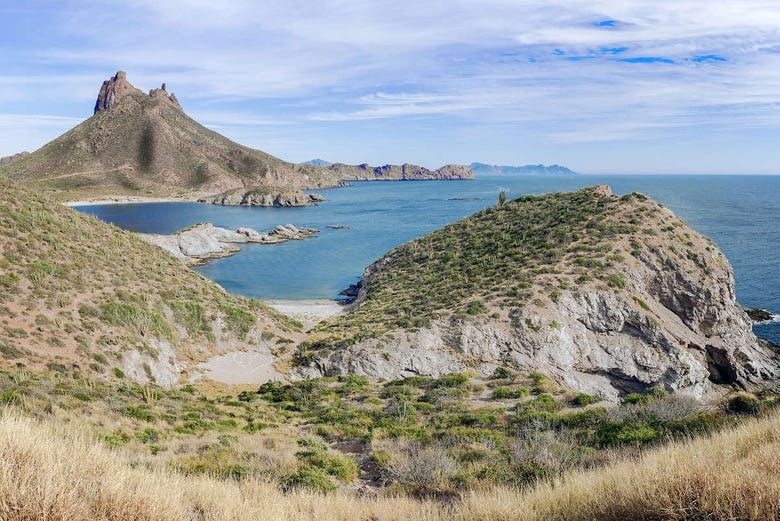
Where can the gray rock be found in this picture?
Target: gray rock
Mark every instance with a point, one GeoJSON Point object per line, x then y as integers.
{"type": "Point", "coordinates": [202, 242]}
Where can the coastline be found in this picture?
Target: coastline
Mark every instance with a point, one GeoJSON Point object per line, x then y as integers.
{"type": "Point", "coordinates": [130, 199]}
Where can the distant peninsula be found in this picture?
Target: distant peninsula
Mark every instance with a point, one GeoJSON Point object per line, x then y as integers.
{"type": "Point", "coordinates": [556, 170]}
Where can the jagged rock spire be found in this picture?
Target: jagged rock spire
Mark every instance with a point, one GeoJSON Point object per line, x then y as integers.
{"type": "Point", "coordinates": [113, 90]}
{"type": "Point", "coordinates": [117, 87]}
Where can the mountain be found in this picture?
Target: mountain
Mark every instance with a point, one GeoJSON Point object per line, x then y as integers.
{"type": "Point", "coordinates": [483, 168]}
{"type": "Point", "coordinates": [145, 144]}
{"type": "Point", "coordinates": [607, 295]}
{"type": "Point", "coordinates": [405, 172]}
{"type": "Point", "coordinates": [80, 296]}
{"type": "Point", "coordinates": [317, 162]}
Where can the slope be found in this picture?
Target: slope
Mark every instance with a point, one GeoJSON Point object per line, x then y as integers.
{"type": "Point", "coordinates": [145, 144]}
{"type": "Point", "coordinates": [78, 295]}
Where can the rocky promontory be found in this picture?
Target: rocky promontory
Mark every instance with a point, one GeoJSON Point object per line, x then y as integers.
{"type": "Point", "coordinates": [259, 197]}
{"type": "Point", "coordinates": [197, 244]}
{"type": "Point", "coordinates": [606, 295]}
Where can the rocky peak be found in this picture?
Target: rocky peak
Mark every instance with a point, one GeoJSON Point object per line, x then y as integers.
{"type": "Point", "coordinates": [113, 90]}
{"type": "Point", "coordinates": [162, 93]}
{"type": "Point", "coordinates": [117, 87]}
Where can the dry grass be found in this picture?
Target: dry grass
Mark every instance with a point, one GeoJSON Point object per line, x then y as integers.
{"type": "Point", "coordinates": [48, 472]}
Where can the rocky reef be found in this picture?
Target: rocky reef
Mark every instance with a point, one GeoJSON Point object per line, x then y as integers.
{"type": "Point", "coordinates": [260, 197]}
{"type": "Point", "coordinates": [199, 243]}
{"type": "Point", "coordinates": [606, 295]}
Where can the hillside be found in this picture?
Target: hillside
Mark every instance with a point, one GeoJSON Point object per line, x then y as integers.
{"type": "Point", "coordinates": [145, 144]}
{"type": "Point", "coordinates": [552, 170]}
{"type": "Point", "coordinates": [54, 473]}
{"type": "Point", "coordinates": [81, 296]}
{"type": "Point", "coordinates": [608, 295]}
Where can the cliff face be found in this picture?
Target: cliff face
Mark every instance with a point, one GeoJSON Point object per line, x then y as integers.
{"type": "Point", "coordinates": [606, 295]}
{"type": "Point", "coordinates": [405, 172]}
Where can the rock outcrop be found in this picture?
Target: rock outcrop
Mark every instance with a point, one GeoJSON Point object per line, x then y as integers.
{"type": "Point", "coordinates": [257, 197]}
{"type": "Point", "coordinates": [113, 90]}
{"type": "Point", "coordinates": [199, 243]}
{"type": "Point", "coordinates": [405, 172]}
{"type": "Point", "coordinates": [606, 295]}
{"type": "Point", "coordinates": [7, 160]}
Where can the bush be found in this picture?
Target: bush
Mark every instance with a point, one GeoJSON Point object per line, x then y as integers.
{"type": "Point", "coordinates": [309, 478]}
{"type": "Point", "coordinates": [626, 434]}
{"type": "Point", "coordinates": [423, 469]}
{"type": "Point", "coordinates": [744, 403]}
{"type": "Point", "coordinates": [508, 393]}
{"type": "Point", "coordinates": [501, 373]}
{"type": "Point", "coordinates": [537, 453]}
{"type": "Point", "coordinates": [583, 399]}
{"type": "Point", "coordinates": [344, 468]}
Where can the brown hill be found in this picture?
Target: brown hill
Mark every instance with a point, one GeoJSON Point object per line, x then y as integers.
{"type": "Point", "coordinates": [145, 144]}
{"type": "Point", "coordinates": [77, 294]}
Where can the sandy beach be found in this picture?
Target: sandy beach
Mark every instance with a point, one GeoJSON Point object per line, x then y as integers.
{"type": "Point", "coordinates": [131, 199]}
{"type": "Point", "coordinates": [309, 312]}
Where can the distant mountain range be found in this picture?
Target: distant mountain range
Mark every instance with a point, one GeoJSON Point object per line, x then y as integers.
{"type": "Point", "coordinates": [483, 168]}
{"type": "Point", "coordinates": [317, 162]}
{"type": "Point", "coordinates": [404, 172]}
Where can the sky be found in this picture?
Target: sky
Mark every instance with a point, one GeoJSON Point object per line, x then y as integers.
{"type": "Point", "coordinates": [601, 86]}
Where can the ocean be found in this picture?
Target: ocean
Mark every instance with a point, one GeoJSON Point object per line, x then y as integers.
{"type": "Point", "coordinates": [740, 213]}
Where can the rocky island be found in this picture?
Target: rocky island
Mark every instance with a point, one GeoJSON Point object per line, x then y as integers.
{"type": "Point", "coordinates": [202, 242]}
{"type": "Point", "coordinates": [607, 295]}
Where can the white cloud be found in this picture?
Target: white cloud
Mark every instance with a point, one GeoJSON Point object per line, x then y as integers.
{"type": "Point", "coordinates": [488, 62]}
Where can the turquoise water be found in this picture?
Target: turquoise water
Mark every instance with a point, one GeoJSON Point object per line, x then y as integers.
{"type": "Point", "coordinates": [741, 213]}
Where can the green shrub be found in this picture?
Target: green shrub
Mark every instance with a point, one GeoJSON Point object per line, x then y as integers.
{"type": "Point", "coordinates": [626, 434]}
{"type": "Point", "coordinates": [500, 373]}
{"type": "Point", "coordinates": [139, 413]}
{"type": "Point", "coordinates": [341, 467]}
{"type": "Point", "coordinates": [583, 399]}
{"type": "Point", "coordinates": [508, 393]}
{"type": "Point", "coordinates": [744, 403]}
{"type": "Point", "coordinates": [309, 478]}
{"type": "Point", "coordinates": [238, 320]}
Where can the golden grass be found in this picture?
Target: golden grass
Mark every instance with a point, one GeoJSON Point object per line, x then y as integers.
{"type": "Point", "coordinates": [51, 472]}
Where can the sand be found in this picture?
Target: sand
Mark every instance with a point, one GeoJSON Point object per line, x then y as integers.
{"type": "Point", "coordinates": [308, 312]}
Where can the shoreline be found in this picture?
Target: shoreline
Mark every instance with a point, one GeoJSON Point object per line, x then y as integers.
{"type": "Point", "coordinates": [308, 311]}
{"type": "Point", "coordinates": [129, 199]}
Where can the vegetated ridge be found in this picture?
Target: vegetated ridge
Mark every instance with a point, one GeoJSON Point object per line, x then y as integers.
{"type": "Point", "coordinates": [608, 295]}
{"type": "Point", "coordinates": [79, 294]}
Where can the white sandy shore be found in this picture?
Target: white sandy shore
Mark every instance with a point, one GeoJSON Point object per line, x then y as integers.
{"type": "Point", "coordinates": [309, 312]}
{"type": "Point", "coordinates": [130, 199]}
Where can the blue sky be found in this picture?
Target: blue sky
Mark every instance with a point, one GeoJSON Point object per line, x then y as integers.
{"type": "Point", "coordinates": [601, 86]}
